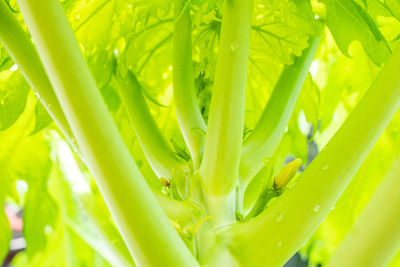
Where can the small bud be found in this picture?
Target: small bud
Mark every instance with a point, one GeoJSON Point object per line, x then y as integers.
{"type": "Point", "coordinates": [164, 182]}
{"type": "Point", "coordinates": [287, 173]}
{"type": "Point", "coordinates": [239, 216]}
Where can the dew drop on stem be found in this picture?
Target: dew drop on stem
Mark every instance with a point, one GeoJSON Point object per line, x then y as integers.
{"type": "Point", "coordinates": [234, 47]}
{"type": "Point", "coordinates": [279, 218]}
{"type": "Point", "coordinates": [325, 167]}
{"type": "Point", "coordinates": [316, 208]}
{"type": "Point", "coordinates": [74, 145]}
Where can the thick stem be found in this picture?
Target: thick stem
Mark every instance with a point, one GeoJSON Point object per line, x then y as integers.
{"type": "Point", "coordinates": [290, 220]}
{"type": "Point", "coordinates": [377, 228]}
{"type": "Point", "coordinates": [110, 240]}
{"type": "Point", "coordinates": [153, 143]}
{"type": "Point", "coordinates": [145, 228]}
{"type": "Point", "coordinates": [186, 106]}
{"type": "Point", "coordinates": [220, 166]}
{"type": "Point", "coordinates": [24, 54]}
{"type": "Point", "coordinates": [265, 138]}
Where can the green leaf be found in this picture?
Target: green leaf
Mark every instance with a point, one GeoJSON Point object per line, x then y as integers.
{"type": "Point", "coordinates": [5, 233]}
{"type": "Point", "coordinates": [12, 141]}
{"type": "Point", "coordinates": [32, 163]}
{"type": "Point", "coordinates": [13, 93]}
{"type": "Point", "coordinates": [347, 22]}
{"type": "Point", "coordinates": [5, 60]}
{"type": "Point", "coordinates": [309, 102]}
{"type": "Point", "coordinates": [394, 6]}
{"type": "Point", "coordinates": [42, 118]}
{"type": "Point", "coordinates": [39, 214]}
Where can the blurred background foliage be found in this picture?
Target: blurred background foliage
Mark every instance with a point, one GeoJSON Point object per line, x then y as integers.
{"type": "Point", "coordinates": [65, 221]}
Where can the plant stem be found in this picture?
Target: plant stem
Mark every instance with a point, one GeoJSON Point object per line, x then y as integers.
{"type": "Point", "coordinates": [220, 166]}
{"type": "Point", "coordinates": [187, 109]}
{"type": "Point", "coordinates": [377, 228]}
{"type": "Point", "coordinates": [110, 241]}
{"type": "Point", "coordinates": [153, 143]}
{"type": "Point", "coordinates": [265, 138]}
{"type": "Point", "coordinates": [144, 227]}
{"type": "Point", "coordinates": [297, 213]}
{"type": "Point", "coordinates": [24, 54]}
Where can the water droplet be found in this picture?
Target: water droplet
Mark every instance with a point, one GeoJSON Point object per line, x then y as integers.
{"type": "Point", "coordinates": [129, 6]}
{"type": "Point", "coordinates": [77, 17]}
{"type": "Point", "coordinates": [279, 244]}
{"type": "Point", "coordinates": [325, 167]}
{"type": "Point", "coordinates": [234, 47]}
{"type": "Point", "coordinates": [286, 129]}
{"type": "Point", "coordinates": [165, 75]}
{"type": "Point", "coordinates": [116, 53]}
{"type": "Point", "coordinates": [82, 47]}
{"type": "Point", "coordinates": [291, 184]}
{"type": "Point", "coordinates": [279, 218]}
{"type": "Point", "coordinates": [14, 67]}
{"type": "Point", "coordinates": [75, 149]}
{"type": "Point", "coordinates": [74, 144]}
{"type": "Point", "coordinates": [121, 45]}
{"type": "Point", "coordinates": [37, 95]}
{"type": "Point", "coordinates": [316, 208]}
{"type": "Point", "coordinates": [48, 106]}
{"type": "Point", "coordinates": [48, 229]}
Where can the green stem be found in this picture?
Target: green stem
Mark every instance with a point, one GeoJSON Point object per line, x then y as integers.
{"type": "Point", "coordinates": [153, 143]}
{"type": "Point", "coordinates": [144, 227]}
{"type": "Point", "coordinates": [187, 109]}
{"type": "Point", "coordinates": [266, 195]}
{"type": "Point", "coordinates": [220, 166]}
{"type": "Point", "coordinates": [377, 228]}
{"type": "Point", "coordinates": [265, 138]}
{"type": "Point", "coordinates": [185, 212]}
{"type": "Point", "coordinates": [24, 54]}
{"type": "Point", "coordinates": [110, 240]}
{"type": "Point", "coordinates": [290, 220]}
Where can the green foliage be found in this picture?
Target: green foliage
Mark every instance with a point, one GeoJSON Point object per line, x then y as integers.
{"type": "Point", "coordinates": [65, 216]}
{"type": "Point", "coordinates": [13, 98]}
{"type": "Point", "coordinates": [42, 118]}
{"type": "Point", "coordinates": [348, 22]}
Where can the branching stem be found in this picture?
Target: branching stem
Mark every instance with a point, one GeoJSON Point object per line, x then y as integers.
{"type": "Point", "coordinates": [144, 227]}
{"type": "Point", "coordinates": [187, 109]}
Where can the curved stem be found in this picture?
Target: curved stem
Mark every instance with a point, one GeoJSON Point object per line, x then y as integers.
{"type": "Point", "coordinates": [24, 54]}
{"type": "Point", "coordinates": [297, 213]}
{"type": "Point", "coordinates": [153, 143]}
{"type": "Point", "coordinates": [187, 109]}
{"type": "Point", "coordinates": [144, 227]}
{"type": "Point", "coordinates": [264, 139]}
{"type": "Point", "coordinates": [220, 166]}
{"type": "Point", "coordinates": [377, 228]}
